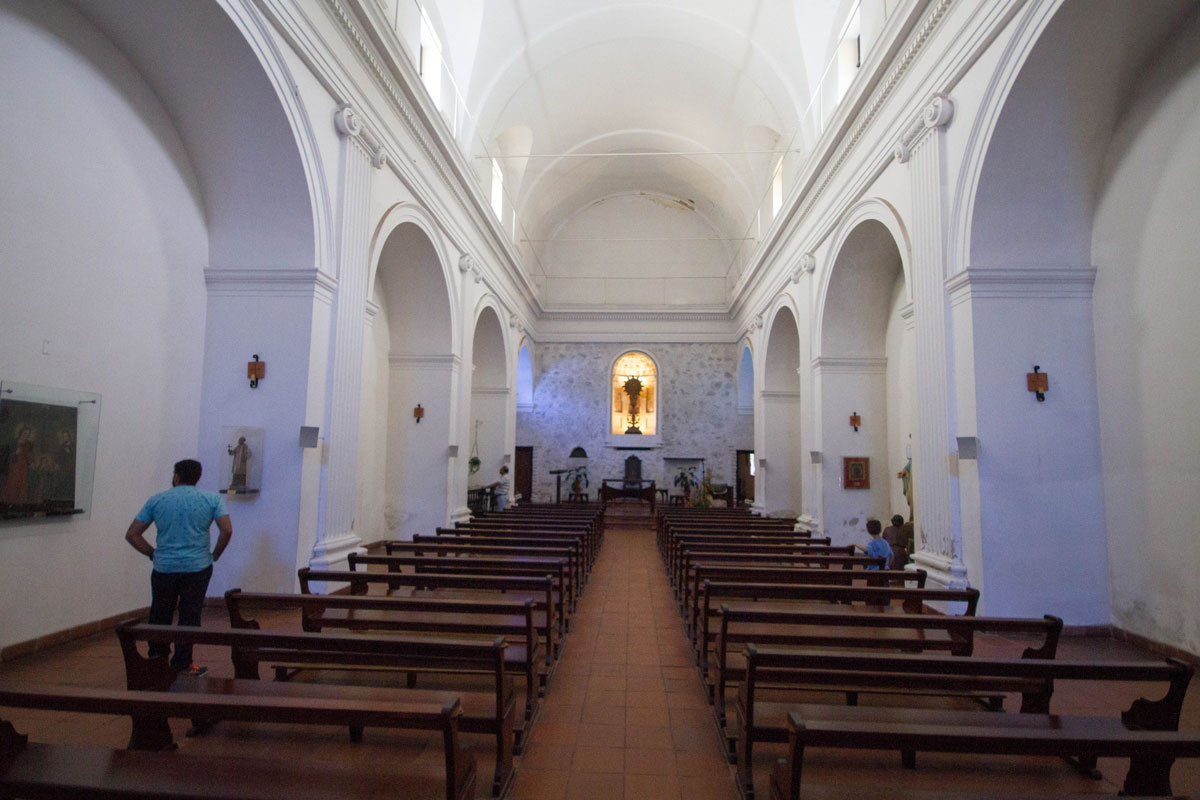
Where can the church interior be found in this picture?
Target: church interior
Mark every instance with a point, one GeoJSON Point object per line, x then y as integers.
{"type": "Point", "coordinates": [786, 265]}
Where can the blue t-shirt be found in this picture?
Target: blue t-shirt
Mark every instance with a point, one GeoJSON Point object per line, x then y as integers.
{"type": "Point", "coordinates": [878, 547]}
{"type": "Point", "coordinates": [182, 516]}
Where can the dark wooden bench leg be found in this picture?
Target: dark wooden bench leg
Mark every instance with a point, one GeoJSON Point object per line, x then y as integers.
{"type": "Point", "coordinates": [908, 758]}
{"type": "Point", "coordinates": [1149, 776]}
{"type": "Point", "coordinates": [1085, 764]}
{"type": "Point", "coordinates": [200, 727]}
{"type": "Point", "coordinates": [356, 733]}
{"type": "Point", "coordinates": [411, 680]}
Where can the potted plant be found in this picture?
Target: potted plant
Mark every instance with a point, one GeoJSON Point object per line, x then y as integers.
{"type": "Point", "coordinates": [685, 479]}
{"type": "Point", "coordinates": [473, 464]}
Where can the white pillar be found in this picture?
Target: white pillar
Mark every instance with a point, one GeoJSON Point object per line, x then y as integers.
{"type": "Point", "coordinates": [939, 542]}
{"type": "Point", "coordinates": [335, 529]}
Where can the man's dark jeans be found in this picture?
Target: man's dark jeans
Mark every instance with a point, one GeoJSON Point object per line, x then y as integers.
{"type": "Point", "coordinates": [185, 589]}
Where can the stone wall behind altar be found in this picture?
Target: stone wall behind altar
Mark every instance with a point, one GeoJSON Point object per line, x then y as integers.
{"type": "Point", "coordinates": [697, 412]}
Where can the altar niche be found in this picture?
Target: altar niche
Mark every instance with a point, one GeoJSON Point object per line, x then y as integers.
{"type": "Point", "coordinates": [634, 395]}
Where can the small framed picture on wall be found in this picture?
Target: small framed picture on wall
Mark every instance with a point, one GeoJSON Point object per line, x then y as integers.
{"type": "Point", "coordinates": [856, 472]}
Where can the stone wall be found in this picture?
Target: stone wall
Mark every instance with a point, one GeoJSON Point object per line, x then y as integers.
{"type": "Point", "coordinates": [697, 408]}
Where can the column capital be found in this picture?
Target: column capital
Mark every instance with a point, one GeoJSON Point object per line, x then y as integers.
{"type": "Point", "coordinates": [350, 125]}
{"type": "Point", "coordinates": [806, 265]}
{"type": "Point", "coordinates": [936, 113]}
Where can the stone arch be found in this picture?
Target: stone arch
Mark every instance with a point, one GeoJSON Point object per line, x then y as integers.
{"type": "Point", "coordinates": [866, 367]}
{"type": "Point", "coordinates": [1074, 162]}
{"type": "Point", "coordinates": [778, 484]}
{"type": "Point", "coordinates": [490, 419]}
{"type": "Point", "coordinates": [410, 360]}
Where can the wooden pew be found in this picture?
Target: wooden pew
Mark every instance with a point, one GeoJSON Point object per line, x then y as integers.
{"type": "Point", "coordinates": [678, 542]}
{"type": "Point", "coordinates": [1147, 733]}
{"type": "Point", "coordinates": [713, 593]}
{"type": "Point", "coordinates": [466, 546]}
{"type": "Point", "coordinates": [513, 527]}
{"type": "Point", "coordinates": [541, 590]}
{"type": "Point", "coordinates": [533, 566]}
{"type": "Point", "coordinates": [798, 555]}
{"type": "Point", "coordinates": [490, 711]}
{"type": "Point", "coordinates": [514, 620]}
{"type": "Point", "coordinates": [673, 529]}
{"type": "Point", "coordinates": [577, 539]}
{"type": "Point", "coordinates": [910, 633]}
{"type": "Point", "coordinates": [152, 769]}
{"type": "Point", "coordinates": [748, 545]}
{"type": "Point", "coordinates": [788, 575]}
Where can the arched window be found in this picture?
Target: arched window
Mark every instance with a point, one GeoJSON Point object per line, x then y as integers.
{"type": "Point", "coordinates": [634, 395]}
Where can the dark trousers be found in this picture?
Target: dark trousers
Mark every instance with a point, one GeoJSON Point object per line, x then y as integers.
{"type": "Point", "coordinates": [185, 589]}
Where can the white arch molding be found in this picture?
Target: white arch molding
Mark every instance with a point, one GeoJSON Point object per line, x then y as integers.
{"type": "Point", "coordinates": [873, 209]}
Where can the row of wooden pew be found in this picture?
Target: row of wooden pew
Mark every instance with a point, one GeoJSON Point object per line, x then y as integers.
{"type": "Point", "coordinates": [792, 637]}
{"type": "Point", "coordinates": [456, 632]}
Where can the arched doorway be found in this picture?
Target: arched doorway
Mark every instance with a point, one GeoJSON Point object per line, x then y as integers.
{"type": "Point", "coordinates": [777, 484]}
{"type": "Point", "coordinates": [1081, 260]}
{"type": "Point", "coordinates": [489, 418]}
{"type": "Point", "coordinates": [410, 363]}
{"type": "Point", "coordinates": [745, 467]}
{"type": "Point", "coordinates": [865, 369]}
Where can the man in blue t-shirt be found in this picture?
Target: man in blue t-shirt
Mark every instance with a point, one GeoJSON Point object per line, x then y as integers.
{"type": "Point", "coordinates": [182, 516]}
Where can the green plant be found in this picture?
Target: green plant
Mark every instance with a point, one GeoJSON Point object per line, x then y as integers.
{"type": "Point", "coordinates": [577, 479]}
{"type": "Point", "coordinates": [473, 464]}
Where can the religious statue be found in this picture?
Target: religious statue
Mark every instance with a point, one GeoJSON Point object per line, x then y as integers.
{"type": "Point", "coordinates": [241, 459]}
{"type": "Point", "coordinates": [906, 483]}
{"type": "Point", "coordinates": [633, 388]}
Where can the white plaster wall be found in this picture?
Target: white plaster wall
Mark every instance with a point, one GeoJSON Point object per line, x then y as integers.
{"type": "Point", "coordinates": [642, 249]}
{"type": "Point", "coordinates": [1146, 252]}
{"type": "Point", "coordinates": [844, 512]}
{"type": "Point", "coordinates": [901, 379]}
{"type": "Point", "coordinates": [697, 402]}
{"type": "Point", "coordinates": [1041, 496]}
{"type": "Point", "coordinates": [369, 521]}
{"type": "Point", "coordinates": [417, 475]}
{"type": "Point", "coordinates": [102, 245]}
{"type": "Point", "coordinates": [265, 544]}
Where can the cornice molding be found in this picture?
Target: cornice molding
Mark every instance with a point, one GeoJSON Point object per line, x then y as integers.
{"type": "Point", "coordinates": [231, 282]}
{"type": "Point", "coordinates": [490, 390]}
{"type": "Point", "coordinates": [780, 394]}
{"type": "Point", "coordinates": [823, 171]}
{"type": "Point", "coordinates": [648, 315]}
{"type": "Point", "coordinates": [849, 366]}
{"type": "Point", "coordinates": [1051, 283]}
{"type": "Point", "coordinates": [423, 362]}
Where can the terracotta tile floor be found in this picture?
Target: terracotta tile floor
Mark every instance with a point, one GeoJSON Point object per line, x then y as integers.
{"type": "Point", "coordinates": [625, 715]}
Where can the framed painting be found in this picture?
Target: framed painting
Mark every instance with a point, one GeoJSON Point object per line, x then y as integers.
{"type": "Point", "coordinates": [856, 472]}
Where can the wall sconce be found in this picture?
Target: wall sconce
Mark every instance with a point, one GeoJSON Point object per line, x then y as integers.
{"type": "Point", "coordinates": [418, 413]}
{"type": "Point", "coordinates": [255, 370]}
{"type": "Point", "coordinates": [1038, 382]}
{"type": "Point", "coordinates": [814, 456]}
{"type": "Point", "coordinates": [855, 421]}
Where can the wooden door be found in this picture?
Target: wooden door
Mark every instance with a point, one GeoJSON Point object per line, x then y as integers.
{"type": "Point", "coordinates": [745, 481]}
{"type": "Point", "coordinates": [523, 474]}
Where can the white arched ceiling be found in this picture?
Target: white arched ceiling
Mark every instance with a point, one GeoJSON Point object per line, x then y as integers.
{"type": "Point", "coordinates": [861, 285]}
{"type": "Point", "coordinates": [489, 365]}
{"type": "Point", "coordinates": [746, 381]}
{"type": "Point", "coordinates": [255, 193]}
{"type": "Point", "coordinates": [783, 354]}
{"type": "Point", "coordinates": [1049, 143]}
{"type": "Point", "coordinates": [413, 286]}
{"type": "Point", "coordinates": [524, 377]}
{"type": "Point", "coordinates": [714, 80]}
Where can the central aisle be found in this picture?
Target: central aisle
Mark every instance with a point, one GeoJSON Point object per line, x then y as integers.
{"type": "Point", "coordinates": [625, 715]}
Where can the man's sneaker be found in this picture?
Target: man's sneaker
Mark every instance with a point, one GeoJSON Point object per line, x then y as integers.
{"type": "Point", "coordinates": [193, 670]}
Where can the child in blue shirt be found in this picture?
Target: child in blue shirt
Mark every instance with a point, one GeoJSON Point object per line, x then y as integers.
{"type": "Point", "coordinates": [878, 546]}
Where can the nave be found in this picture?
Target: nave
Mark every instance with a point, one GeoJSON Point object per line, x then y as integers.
{"type": "Point", "coordinates": [625, 714]}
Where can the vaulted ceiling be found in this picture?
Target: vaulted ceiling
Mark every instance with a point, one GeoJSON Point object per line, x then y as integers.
{"type": "Point", "coordinates": [637, 140]}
